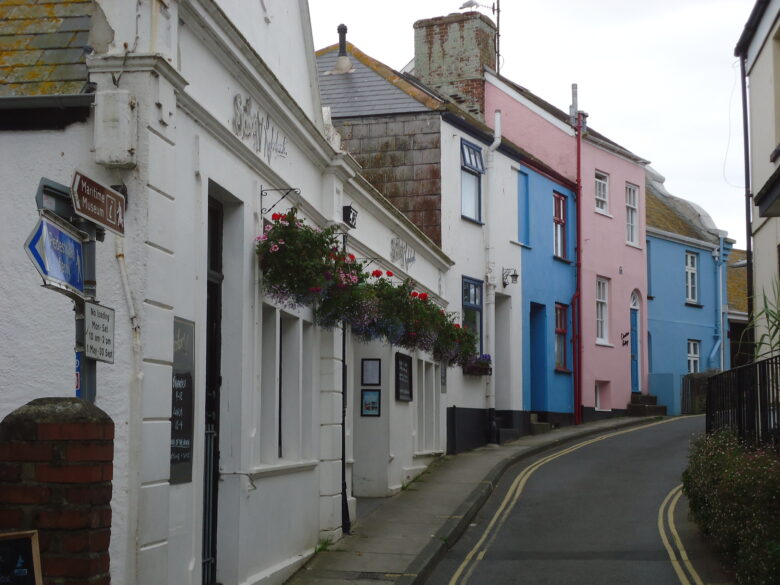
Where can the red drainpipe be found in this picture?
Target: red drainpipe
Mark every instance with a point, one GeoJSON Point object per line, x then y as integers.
{"type": "Point", "coordinates": [578, 291]}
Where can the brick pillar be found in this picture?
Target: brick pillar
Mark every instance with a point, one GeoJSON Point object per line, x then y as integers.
{"type": "Point", "coordinates": [56, 466]}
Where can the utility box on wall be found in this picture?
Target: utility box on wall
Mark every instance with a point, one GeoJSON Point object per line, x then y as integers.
{"type": "Point", "coordinates": [116, 129]}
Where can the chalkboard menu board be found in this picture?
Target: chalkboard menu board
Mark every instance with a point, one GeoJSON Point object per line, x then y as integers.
{"type": "Point", "coordinates": [20, 560]}
{"type": "Point", "coordinates": [403, 377]}
{"type": "Point", "coordinates": [182, 400]}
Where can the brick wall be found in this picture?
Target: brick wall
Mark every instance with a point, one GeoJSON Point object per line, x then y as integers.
{"type": "Point", "coordinates": [450, 54]}
{"type": "Point", "coordinates": [56, 466]}
{"type": "Point", "coordinates": [401, 157]}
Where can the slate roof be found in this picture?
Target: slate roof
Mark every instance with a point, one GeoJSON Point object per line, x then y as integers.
{"type": "Point", "coordinates": [673, 214]}
{"type": "Point", "coordinates": [42, 46]}
{"type": "Point", "coordinates": [736, 282]}
{"type": "Point", "coordinates": [371, 89]}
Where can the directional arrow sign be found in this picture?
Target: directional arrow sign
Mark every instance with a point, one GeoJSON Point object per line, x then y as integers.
{"type": "Point", "coordinates": [57, 253]}
{"type": "Point", "coordinates": [98, 203]}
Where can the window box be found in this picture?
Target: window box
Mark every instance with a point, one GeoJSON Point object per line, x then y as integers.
{"type": "Point", "coordinates": [478, 369]}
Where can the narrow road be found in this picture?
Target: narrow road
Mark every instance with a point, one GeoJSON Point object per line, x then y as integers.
{"type": "Point", "coordinates": [590, 513]}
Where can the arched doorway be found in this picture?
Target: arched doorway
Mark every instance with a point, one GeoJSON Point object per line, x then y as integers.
{"type": "Point", "coordinates": [635, 344]}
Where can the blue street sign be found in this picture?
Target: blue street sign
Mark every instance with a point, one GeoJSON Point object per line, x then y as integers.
{"type": "Point", "coordinates": [57, 253]}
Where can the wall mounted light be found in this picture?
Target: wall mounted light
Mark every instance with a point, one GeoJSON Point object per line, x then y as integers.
{"type": "Point", "coordinates": [349, 215]}
{"type": "Point", "coordinates": [509, 274]}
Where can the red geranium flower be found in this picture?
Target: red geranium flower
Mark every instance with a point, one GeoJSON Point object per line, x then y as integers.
{"type": "Point", "coordinates": [276, 217]}
{"type": "Point", "coordinates": [376, 273]}
{"type": "Point", "coordinates": [351, 257]}
{"type": "Point", "coordinates": [423, 296]}
{"type": "Point", "coordinates": [456, 325]}
{"type": "Point", "coordinates": [389, 273]}
{"type": "Point", "coordinates": [415, 294]}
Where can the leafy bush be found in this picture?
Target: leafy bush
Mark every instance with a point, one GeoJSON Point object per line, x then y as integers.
{"type": "Point", "coordinates": [734, 496]}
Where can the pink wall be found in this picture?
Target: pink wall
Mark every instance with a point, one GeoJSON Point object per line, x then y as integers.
{"type": "Point", "coordinates": [605, 251]}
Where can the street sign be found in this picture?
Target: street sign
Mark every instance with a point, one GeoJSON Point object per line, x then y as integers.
{"type": "Point", "coordinates": [98, 203]}
{"type": "Point", "coordinates": [57, 252]}
{"type": "Point", "coordinates": [99, 332]}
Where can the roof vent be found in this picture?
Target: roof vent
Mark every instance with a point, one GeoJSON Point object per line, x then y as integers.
{"type": "Point", "coordinates": [343, 62]}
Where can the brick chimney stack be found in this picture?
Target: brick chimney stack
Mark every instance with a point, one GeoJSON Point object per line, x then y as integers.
{"type": "Point", "coordinates": [450, 53]}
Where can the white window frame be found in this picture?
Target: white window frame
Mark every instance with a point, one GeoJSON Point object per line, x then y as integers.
{"type": "Point", "coordinates": [559, 225]}
{"type": "Point", "coordinates": [602, 310]}
{"type": "Point", "coordinates": [632, 214]}
{"type": "Point", "coordinates": [471, 170]}
{"type": "Point", "coordinates": [602, 192]}
{"type": "Point", "coordinates": [694, 356]}
{"type": "Point", "coordinates": [691, 277]}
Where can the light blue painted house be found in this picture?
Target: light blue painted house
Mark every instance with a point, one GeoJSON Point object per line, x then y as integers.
{"type": "Point", "coordinates": [547, 234]}
{"type": "Point", "coordinates": [688, 306]}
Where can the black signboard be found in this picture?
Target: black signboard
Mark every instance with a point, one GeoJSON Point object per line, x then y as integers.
{"type": "Point", "coordinates": [20, 558]}
{"type": "Point", "coordinates": [182, 400]}
{"type": "Point", "coordinates": [403, 377]}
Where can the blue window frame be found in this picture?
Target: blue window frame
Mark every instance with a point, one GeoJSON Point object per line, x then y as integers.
{"type": "Point", "coordinates": [472, 307]}
{"type": "Point", "coordinates": [472, 167]}
{"type": "Point", "coordinates": [523, 210]}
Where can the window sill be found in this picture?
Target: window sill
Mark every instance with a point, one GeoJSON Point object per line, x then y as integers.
{"type": "Point", "coordinates": [633, 245]}
{"type": "Point", "coordinates": [562, 259]}
{"type": "Point", "coordinates": [434, 453]}
{"type": "Point", "coordinates": [650, 297]}
{"type": "Point", "coordinates": [604, 344]}
{"type": "Point", "coordinates": [604, 213]}
{"type": "Point", "coordinates": [562, 370]}
{"type": "Point", "coordinates": [521, 244]}
{"type": "Point", "coordinates": [472, 220]}
{"type": "Point", "coordinates": [281, 468]}
{"type": "Point", "coordinates": [694, 305]}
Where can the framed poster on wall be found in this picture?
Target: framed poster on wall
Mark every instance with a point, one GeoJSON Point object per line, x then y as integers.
{"type": "Point", "coordinates": [182, 411]}
{"type": "Point", "coordinates": [403, 377]}
{"type": "Point", "coordinates": [370, 372]}
{"type": "Point", "coordinates": [370, 402]}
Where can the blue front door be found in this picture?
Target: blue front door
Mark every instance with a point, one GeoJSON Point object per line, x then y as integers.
{"type": "Point", "coordinates": [634, 350]}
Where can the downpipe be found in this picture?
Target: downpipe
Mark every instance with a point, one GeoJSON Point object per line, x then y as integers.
{"type": "Point", "coordinates": [490, 293]}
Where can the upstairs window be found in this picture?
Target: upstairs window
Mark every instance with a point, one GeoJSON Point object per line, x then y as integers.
{"type": "Point", "coordinates": [632, 214]}
{"type": "Point", "coordinates": [472, 307]}
{"type": "Point", "coordinates": [559, 225]}
{"type": "Point", "coordinates": [471, 170]}
{"type": "Point", "coordinates": [602, 192]}
{"type": "Point", "coordinates": [691, 277]}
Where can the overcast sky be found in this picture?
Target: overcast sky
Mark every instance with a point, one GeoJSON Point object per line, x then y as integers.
{"type": "Point", "coordinates": [657, 77]}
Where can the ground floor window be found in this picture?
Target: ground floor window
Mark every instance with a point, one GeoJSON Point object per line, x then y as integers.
{"type": "Point", "coordinates": [560, 336]}
{"type": "Point", "coordinates": [694, 352]}
{"type": "Point", "coordinates": [472, 307]}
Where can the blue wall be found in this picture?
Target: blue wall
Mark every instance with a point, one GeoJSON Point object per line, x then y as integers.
{"type": "Point", "coordinates": [672, 321]}
{"type": "Point", "coordinates": [546, 281]}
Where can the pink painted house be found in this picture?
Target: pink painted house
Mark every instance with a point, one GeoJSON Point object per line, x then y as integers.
{"type": "Point", "coordinates": [610, 340]}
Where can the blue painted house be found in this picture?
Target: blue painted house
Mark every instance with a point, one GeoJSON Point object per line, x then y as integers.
{"type": "Point", "coordinates": [547, 235]}
{"type": "Point", "coordinates": [687, 292]}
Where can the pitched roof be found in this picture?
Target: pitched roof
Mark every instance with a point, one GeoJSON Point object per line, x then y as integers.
{"type": "Point", "coordinates": [596, 137]}
{"type": "Point", "coordinates": [374, 89]}
{"type": "Point", "coordinates": [370, 89]}
{"type": "Point", "coordinates": [674, 214]}
{"type": "Point", "coordinates": [43, 46]}
{"type": "Point", "coordinates": [736, 282]}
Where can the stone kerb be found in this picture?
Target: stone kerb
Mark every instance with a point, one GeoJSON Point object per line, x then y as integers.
{"type": "Point", "coordinates": [56, 467]}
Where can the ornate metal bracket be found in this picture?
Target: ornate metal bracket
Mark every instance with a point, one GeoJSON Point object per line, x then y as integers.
{"type": "Point", "coordinates": [286, 191]}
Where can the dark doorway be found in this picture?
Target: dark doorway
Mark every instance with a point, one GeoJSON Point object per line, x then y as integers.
{"type": "Point", "coordinates": [213, 384]}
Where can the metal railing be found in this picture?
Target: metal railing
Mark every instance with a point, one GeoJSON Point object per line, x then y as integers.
{"type": "Point", "coordinates": [693, 394]}
{"type": "Point", "coordinates": [746, 400]}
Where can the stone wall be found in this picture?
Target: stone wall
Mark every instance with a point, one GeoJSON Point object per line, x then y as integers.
{"type": "Point", "coordinates": [401, 157]}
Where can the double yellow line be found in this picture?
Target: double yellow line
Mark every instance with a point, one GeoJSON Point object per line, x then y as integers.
{"type": "Point", "coordinates": [477, 553]}
{"type": "Point", "coordinates": [676, 551]}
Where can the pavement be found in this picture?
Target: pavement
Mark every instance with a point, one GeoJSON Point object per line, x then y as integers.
{"type": "Point", "coordinates": [400, 539]}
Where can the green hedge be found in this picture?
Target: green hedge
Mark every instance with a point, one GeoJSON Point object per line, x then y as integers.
{"type": "Point", "coordinates": [734, 495]}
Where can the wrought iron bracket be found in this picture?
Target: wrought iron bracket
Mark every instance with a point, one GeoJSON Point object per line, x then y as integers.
{"type": "Point", "coordinates": [285, 192]}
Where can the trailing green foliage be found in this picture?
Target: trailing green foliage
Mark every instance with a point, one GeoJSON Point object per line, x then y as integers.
{"type": "Point", "coordinates": [767, 321]}
{"type": "Point", "coordinates": [734, 496]}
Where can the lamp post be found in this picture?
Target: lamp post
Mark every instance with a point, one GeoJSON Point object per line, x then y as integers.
{"type": "Point", "coordinates": [349, 216]}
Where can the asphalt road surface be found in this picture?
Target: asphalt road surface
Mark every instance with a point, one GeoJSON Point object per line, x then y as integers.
{"type": "Point", "coordinates": [601, 511]}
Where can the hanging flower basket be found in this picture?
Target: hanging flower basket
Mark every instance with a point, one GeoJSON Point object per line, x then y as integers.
{"type": "Point", "coordinates": [304, 265]}
{"type": "Point", "coordinates": [481, 366]}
